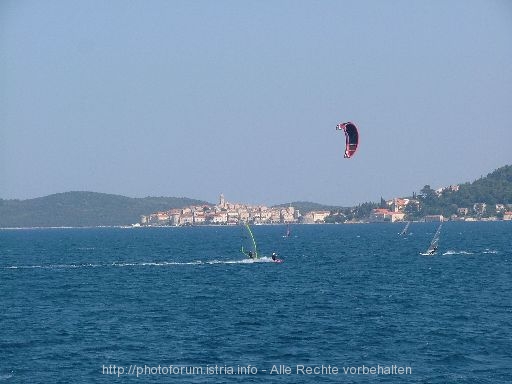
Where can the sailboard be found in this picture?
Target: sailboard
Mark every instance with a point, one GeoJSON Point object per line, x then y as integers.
{"type": "Point", "coordinates": [250, 249]}
{"type": "Point", "coordinates": [432, 248]}
{"type": "Point", "coordinates": [406, 228]}
{"type": "Point", "coordinates": [288, 231]}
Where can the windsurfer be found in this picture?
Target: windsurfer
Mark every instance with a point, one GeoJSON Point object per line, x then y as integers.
{"type": "Point", "coordinates": [274, 256]}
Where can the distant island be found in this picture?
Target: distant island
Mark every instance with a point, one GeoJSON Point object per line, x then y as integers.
{"type": "Point", "coordinates": [83, 209]}
{"type": "Point", "coordinates": [488, 198]}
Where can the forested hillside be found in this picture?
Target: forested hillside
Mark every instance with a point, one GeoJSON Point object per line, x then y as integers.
{"type": "Point", "coordinates": [79, 209]}
{"type": "Point", "coordinates": [495, 188]}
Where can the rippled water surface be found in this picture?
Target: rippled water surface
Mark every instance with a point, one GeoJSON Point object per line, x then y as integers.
{"type": "Point", "coordinates": [89, 305]}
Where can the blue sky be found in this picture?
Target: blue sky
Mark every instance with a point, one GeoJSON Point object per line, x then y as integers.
{"type": "Point", "coordinates": [195, 98]}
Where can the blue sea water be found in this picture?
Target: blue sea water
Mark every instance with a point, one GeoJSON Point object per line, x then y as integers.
{"type": "Point", "coordinates": [182, 305]}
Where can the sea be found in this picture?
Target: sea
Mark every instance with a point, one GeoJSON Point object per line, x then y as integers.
{"type": "Point", "coordinates": [349, 304]}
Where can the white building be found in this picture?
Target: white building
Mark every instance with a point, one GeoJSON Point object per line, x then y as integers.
{"type": "Point", "coordinates": [430, 218]}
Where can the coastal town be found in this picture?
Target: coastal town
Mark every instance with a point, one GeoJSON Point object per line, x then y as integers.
{"type": "Point", "coordinates": [393, 210]}
{"type": "Point", "coordinates": [225, 213]}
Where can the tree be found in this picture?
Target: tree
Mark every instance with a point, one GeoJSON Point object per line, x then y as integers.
{"type": "Point", "coordinates": [427, 193]}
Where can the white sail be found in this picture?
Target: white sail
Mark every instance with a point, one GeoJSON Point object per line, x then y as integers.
{"type": "Point", "coordinates": [432, 249]}
{"type": "Point", "coordinates": [404, 231]}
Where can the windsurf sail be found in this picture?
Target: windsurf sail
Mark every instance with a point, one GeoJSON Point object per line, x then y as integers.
{"type": "Point", "coordinates": [351, 138]}
{"type": "Point", "coordinates": [432, 249]}
{"type": "Point", "coordinates": [248, 247]}
{"type": "Point", "coordinates": [404, 231]}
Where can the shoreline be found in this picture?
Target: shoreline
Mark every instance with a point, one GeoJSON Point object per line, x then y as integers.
{"type": "Point", "coordinates": [132, 226]}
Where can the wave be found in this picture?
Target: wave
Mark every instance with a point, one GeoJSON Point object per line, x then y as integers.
{"type": "Point", "coordinates": [452, 252]}
{"type": "Point", "coordinates": [140, 264]}
{"type": "Point", "coordinates": [485, 252]}
{"type": "Point", "coordinates": [53, 266]}
{"type": "Point", "coordinates": [5, 376]}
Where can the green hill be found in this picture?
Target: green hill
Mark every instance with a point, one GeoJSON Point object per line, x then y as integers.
{"type": "Point", "coordinates": [495, 188]}
{"type": "Point", "coordinates": [82, 209]}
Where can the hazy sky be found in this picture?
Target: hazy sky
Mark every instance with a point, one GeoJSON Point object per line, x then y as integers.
{"type": "Point", "coordinates": [195, 98]}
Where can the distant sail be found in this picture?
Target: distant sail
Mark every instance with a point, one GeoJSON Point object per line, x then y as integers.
{"type": "Point", "coordinates": [432, 249]}
{"type": "Point", "coordinates": [404, 231]}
